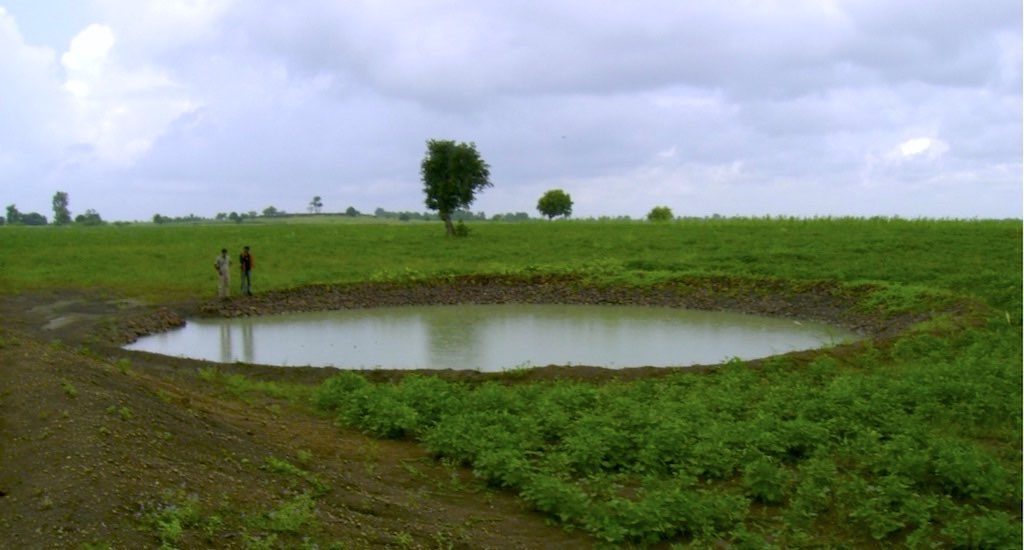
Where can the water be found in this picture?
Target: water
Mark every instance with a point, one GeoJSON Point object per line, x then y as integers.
{"type": "Point", "coordinates": [492, 337]}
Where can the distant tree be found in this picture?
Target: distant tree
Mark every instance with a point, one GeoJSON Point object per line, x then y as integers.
{"type": "Point", "coordinates": [235, 217]}
{"type": "Point", "coordinates": [660, 214]}
{"type": "Point", "coordinates": [33, 218]}
{"type": "Point", "coordinates": [270, 212]}
{"type": "Point", "coordinates": [252, 214]}
{"type": "Point", "coordinates": [3, 220]}
{"type": "Point", "coordinates": [555, 203]}
{"type": "Point", "coordinates": [452, 173]}
{"type": "Point", "coordinates": [91, 217]}
{"type": "Point", "coordinates": [404, 217]}
{"type": "Point", "coordinates": [13, 216]}
{"type": "Point", "coordinates": [315, 205]}
{"type": "Point", "coordinates": [221, 216]}
{"type": "Point", "coordinates": [157, 218]}
{"type": "Point", "coordinates": [61, 215]}
{"type": "Point", "coordinates": [351, 212]}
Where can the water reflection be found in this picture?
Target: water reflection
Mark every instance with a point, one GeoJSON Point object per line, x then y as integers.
{"type": "Point", "coordinates": [491, 338]}
{"type": "Point", "coordinates": [225, 344]}
{"type": "Point", "coordinates": [248, 355]}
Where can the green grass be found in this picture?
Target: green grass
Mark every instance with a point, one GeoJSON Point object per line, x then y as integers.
{"type": "Point", "coordinates": [170, 262]}
{"type": "Point", "coordinates": [913, 441]}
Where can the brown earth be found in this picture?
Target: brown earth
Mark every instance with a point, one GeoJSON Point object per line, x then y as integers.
{"type": "Point", "coordinates": [97, 444]}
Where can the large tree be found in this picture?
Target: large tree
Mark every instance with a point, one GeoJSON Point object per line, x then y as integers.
{"type": "Point", "coordinates": [660, 214]}
{"type": "Point", "coordinates": [13, 216]}
{"type": "Point", "coordinates": [61, 214]}
{"type": "Point", "coordinates": [452, 174]}
{"type": "Point", "coordinates": [33, 218]}
{"type": "Point", "coordinates": [555, 203]}
{"type": "Point", "coordinates": [91, 217]}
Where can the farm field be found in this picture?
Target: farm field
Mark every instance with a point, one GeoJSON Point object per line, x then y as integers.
{"type": "Point", "coordinates": [910, 438]}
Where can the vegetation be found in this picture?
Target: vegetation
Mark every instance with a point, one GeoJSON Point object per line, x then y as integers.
{"type": "Point", "coordinates": [316, 205]}
{"type": "Point", "coordinates": [91, 217]}
{"type": "Point", "coordinates": [910, 441]}
{"type": "Point", "coordinates": [15, 217]}
{"type": "Point", "coordinates": [452, 174]}
{"type": "Point", "coordinates": [660, 214]}
{"type": "Point", "coordinates": [61, 214]}
{"type": "Point", "coordinates": [555, 203]}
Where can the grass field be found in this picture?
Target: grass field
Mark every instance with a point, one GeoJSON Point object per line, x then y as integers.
{"type": "Point", "coordinates": [912, 442]}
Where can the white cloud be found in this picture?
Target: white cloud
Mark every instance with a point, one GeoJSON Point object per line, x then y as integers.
{"type": "Point", "coordinates": [922, 146]}
{"type": "Point", "coordinates": [88, 51]}
{"type": "Point", "coordinates": [119, 110]}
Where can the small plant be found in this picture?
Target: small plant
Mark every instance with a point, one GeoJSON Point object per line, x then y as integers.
{"type": "Point", "coordinates": [293, 515]}
{"type": "Point", "coordinates": [68, 387]}
{"type": "Point", "coordinates": [403, 539]}
{"type": "Point", "coordinates": [124, 412]}
{"type": "Point", "coordinates": [164, 396]}
{"type": "Point", "coordinates": [123, 365]}
{"type": "Point", "coordinates": [279, 466]}
{"type": "Point", "coordinates": [171, 520]}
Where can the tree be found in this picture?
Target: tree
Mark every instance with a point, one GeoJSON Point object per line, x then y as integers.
{"type": "Point", "coordinates": [61, 215]}
{"type": "Point", "coordinates": [660, 214]}
{"type": "Point", "coordinates": [555, 203]}
{"type": "Point", "coordinates": [315, 205]}
{"type": "Point", "coordinates": [13, 216]}
{"type": "Point", "coordinates": [33, 218]}
{"type": "Point", "coordinates": [270, 212]}
{"type": "Point", "coordinates": [91, 217]}
{"type": "Point", "coordinates": [452, 173]}
{"type": "Point", "coordinates": [351, 212]}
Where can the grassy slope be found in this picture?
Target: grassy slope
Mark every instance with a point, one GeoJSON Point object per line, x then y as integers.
{"type": "Point", "coordinates": [916, 442]}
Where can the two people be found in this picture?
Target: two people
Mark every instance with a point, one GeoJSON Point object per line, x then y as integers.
{"type": "Point", "coordinates": [222, 264]}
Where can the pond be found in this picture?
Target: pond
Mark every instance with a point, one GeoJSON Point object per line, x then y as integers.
{"type": "Point", "coordinates": [492, 338]}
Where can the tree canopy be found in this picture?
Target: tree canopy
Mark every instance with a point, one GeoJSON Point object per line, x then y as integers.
{"type": "Point", "coordinates": [660, 214]}
{"type": "Point", "coordinates": [61, 214]}
{"type": "Point", "coordinates": [91, 217]}
{"type": "Point", "coordinates": [452, 173]}
{"type": "Point", "coordinates": [13, 215]}
{"type": "Point", "coordinates": [555, 203]}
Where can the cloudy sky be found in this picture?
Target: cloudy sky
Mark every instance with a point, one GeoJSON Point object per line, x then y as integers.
{"type": "Point", "coordinates": [746, 107]}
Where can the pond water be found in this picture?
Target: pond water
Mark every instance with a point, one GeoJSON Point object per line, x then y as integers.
{"type": "Point", "coordinates": [492, 338]}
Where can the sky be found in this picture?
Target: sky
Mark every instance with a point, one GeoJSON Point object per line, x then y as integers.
{"type": "Point", "coordinates": [740, 108]}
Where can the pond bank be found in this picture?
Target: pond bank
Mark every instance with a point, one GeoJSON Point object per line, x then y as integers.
{"type": "Point", "coordinates": [826, 302]}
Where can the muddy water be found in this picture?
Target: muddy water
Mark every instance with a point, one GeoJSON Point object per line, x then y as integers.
{"type": "Point", "coordinates": [492, 337]}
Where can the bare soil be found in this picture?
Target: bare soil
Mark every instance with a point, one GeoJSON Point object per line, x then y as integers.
{"type": "Point", "coordinates": [97, 442]}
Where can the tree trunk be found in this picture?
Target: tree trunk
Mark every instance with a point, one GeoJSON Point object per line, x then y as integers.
{"type": "Point", "coordinates": [449, 229]}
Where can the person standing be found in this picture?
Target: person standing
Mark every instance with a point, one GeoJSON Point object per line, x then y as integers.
{"type": "Point", "coordinates": [223, 266]}
{"type": "Point", "coordinates": [245, 262]}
